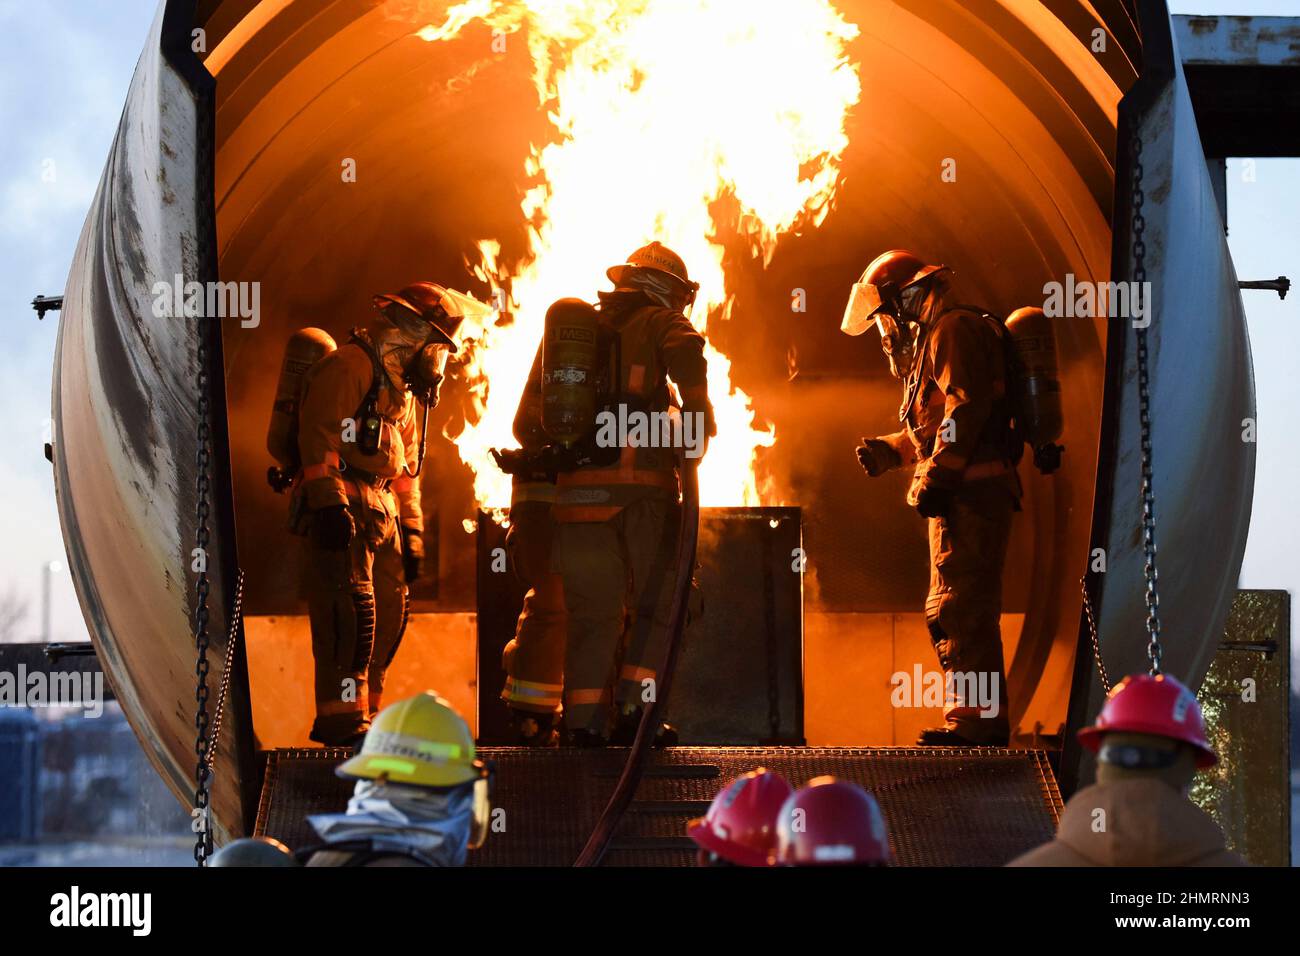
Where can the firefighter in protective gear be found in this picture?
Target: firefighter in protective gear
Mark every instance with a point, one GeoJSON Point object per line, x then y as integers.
{"type": "Point", "coordinates": [831, 822]}
{"type": "Point", "coordinates": [360, 450]}
{"type": "Point", "coordinates": [618, 519]}
{"type": "Point", "coordinates": [422, 796]}
{"type": "Point", "coordinates": [957, 432]}
{"type": "Point", "coordinates": [739, 828]}
{"type": "Point", "coordinates": [1150, 741]}
{"type": "Point", "coordinates": [534, 658]}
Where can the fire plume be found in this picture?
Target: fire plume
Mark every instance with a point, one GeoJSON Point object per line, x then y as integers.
{"type": "Point", "coordinates": [686, 121]}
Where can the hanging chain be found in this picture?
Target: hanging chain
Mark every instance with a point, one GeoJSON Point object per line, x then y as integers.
{"type": "Point", "coordinates": [232, 635]}
{"type": "Point", "coordinates": [1154, 651]}
{"type": "Point", "coordinates": [202, 744]}
{"type": "Point", "coordinates": [1092, 630]}
{"type": "Point", "coordinates": [1144, 412]}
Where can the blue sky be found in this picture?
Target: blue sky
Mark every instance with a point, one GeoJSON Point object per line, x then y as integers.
{"type": "Point", "coordinates": [66, 65]}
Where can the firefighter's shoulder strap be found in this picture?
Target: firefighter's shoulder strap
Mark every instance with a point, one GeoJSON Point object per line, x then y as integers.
{"type": "Point", "coordinates": [367, 416]}
{"type": "Point", "coordinates": [1014, 436]}
{"type": "Point", "coordinates": [360, 339]}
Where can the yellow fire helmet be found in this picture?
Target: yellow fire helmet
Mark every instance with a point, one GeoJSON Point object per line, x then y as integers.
{"type": "Point", "coordinates": [420, 741]}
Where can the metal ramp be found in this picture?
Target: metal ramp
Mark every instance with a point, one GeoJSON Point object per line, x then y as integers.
{"type": "Point", "coordinates": [945, 806]}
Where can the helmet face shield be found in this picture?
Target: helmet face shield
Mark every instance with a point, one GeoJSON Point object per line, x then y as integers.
{"type": "Point", "coordinates": [864, 302]}
{"type": "Point", "coordinates": [903, 298]}
{"type": "Point", "coordinates": [457, 305]}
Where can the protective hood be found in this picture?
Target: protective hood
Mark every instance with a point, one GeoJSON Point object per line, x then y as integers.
{"type": "Point", "coordinates": [438, 823]}
{"type": "Point", "coordinates": [394, 344]}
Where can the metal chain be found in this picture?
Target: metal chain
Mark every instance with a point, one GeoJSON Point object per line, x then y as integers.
{"type": "Point", "coordinates": [1154, 651]}
{"type": "Point", "coordinates": [1144, 413]}
{"type": "Point", "coordinates": [232, 635]}
{"type": "Point", "coordinates": [203, 455]}
{"type": "Point", "coordinates": [1092, 630]}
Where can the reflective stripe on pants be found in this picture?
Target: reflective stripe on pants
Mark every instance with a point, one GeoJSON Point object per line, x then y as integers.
{"type": "Point", "coordinates": [614, 572]}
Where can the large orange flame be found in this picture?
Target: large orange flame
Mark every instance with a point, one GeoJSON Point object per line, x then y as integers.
{"type": "Point", "coordinates": [676, 120]}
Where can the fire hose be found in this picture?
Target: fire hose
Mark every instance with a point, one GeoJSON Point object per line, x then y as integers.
{"type": "Point", "coordinates": [625, 789]}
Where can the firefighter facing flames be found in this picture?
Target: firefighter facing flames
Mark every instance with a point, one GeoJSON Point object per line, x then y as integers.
{"type": "Point", "coordinates": [616, 507]}
{"type": "Point", "coordinates": [957, 431]}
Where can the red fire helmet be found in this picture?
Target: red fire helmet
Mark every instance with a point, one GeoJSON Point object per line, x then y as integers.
{"type": "Point", "coordinates": [1160, 706]}
{"type": "Point", "coordinates": [831, 822]}
{"type": "Point", "coordinates": [740, 825]}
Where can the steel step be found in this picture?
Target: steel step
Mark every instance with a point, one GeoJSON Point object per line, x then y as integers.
{"type": "Point", "coordinates": [945, 806]}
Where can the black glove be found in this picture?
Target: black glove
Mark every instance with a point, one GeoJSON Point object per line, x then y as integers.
{"type": "Point", "coordinates": [935, 492]}
{"type": "Point", "coordinates": [540, 465]}
{"type": "Point", "coordinates": [412, 553]}
{"type": "Point", "coordinates": [933, 501]}
{"type": "Point", "coordinates": [876, 457]}
{"type": "Point", "coordinates": [332, 528]}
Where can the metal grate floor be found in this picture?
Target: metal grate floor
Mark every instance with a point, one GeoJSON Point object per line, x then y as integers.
{"type": "Point", "coordinates": [944, 806]}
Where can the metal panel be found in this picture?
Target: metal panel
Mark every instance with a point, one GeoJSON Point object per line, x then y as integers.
{"type": "Point", "coordinates": [1243, 74]}
{"type": "Point", "coordinates": [1202, 393]}
{"type": "Point", "coordinates": [125, 421]}
{"type": "Point", "coordinates": [740, 676]}
{"type": "Point", "coordinates": [944, 806]}
{"type": "Point", "coordinates": [1245, 700]}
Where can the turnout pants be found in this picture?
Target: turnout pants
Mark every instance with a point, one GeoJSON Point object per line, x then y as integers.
{"type": "Point", "coordinates": [617, 572]}
{"type": "Point", "coordinates": [534, 659]}
{"type": "Point", "coordinates": [356, 600]}
{"type": "Point", "coordinates": [963, 611]}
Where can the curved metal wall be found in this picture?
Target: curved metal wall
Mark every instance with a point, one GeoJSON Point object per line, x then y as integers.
{"type": "Point", "coordinates": [125, 424]}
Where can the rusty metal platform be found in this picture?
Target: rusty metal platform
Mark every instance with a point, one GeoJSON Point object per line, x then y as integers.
{"type": "Point", "coordinates": [945, 807]}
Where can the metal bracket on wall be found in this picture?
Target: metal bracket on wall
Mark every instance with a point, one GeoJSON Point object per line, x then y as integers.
{"type": "Point", "coordinates": [1281, 285]}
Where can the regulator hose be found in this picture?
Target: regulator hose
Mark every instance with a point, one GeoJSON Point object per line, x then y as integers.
{"type": "Point", "coordinates": [625, 789]}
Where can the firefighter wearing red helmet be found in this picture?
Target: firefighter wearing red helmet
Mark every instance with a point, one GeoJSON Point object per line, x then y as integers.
{"type": "Point", "coordinates": [830, 822]}
{"type": "Point", "coordinates": [957, 433]}
{"type": "Point", "coordinates": [739, 828]}
{"type": "Point", "coordinates": [1150, 741]}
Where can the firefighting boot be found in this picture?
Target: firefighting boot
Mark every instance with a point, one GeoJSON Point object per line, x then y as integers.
{"type": "Point", "coordinates": [626, 725]}
{"type": "Point", "coordinates": [949, 735]}
{"type": "Point", "coordinates": [585, 738]}
{"type": "Point", "coordinates": [533, 729]}
{"type": "Point", "coordinates": [349, 741]}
